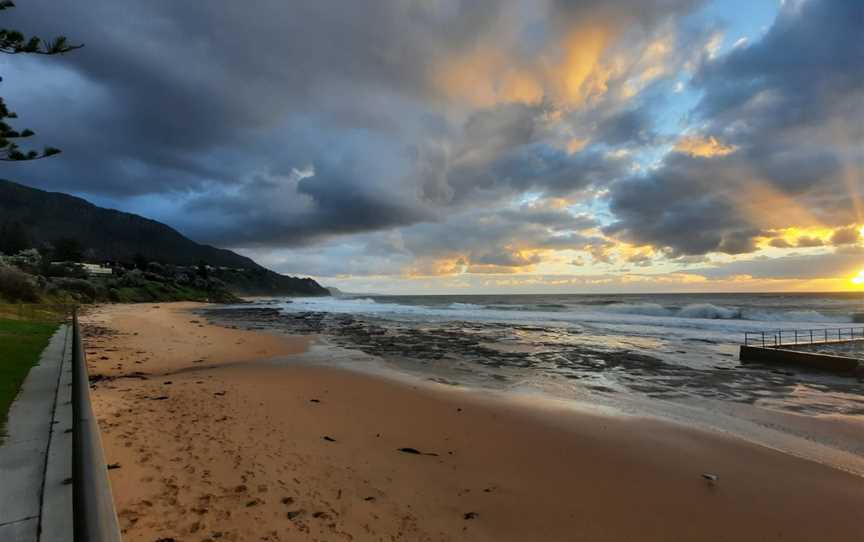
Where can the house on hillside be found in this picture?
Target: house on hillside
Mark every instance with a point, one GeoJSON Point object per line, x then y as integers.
{"type": "Point", "coordinates": [89, 268]}
{"type": "Point", "coordinates": [96, 269]}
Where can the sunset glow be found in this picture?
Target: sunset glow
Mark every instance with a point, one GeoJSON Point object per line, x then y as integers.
{"type": "Point", "coordinates": [457, 270]}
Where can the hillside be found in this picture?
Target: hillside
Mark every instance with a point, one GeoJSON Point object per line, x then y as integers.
{"type": "Point", "coordinates": [40, 219]}
{"type": "Point", "coordinates": [110, 235]}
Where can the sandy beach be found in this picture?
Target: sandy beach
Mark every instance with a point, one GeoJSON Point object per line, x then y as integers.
{"type": "Point", "coordinates": [212, 433]}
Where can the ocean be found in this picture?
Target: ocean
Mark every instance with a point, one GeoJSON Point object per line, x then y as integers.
{"type": "Point", "coordinates": [672, 346]}
{"type": "Point", "coordinates": [673, 356]}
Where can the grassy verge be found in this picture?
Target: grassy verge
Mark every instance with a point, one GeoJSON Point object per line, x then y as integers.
{"type": "Point", "coordinates": [33, 312]}
{"type": "Point", "coordinates": [21, 343]}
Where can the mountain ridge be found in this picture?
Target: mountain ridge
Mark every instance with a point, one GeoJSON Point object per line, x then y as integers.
{"type": "Point", "coordinates": [110, 235]}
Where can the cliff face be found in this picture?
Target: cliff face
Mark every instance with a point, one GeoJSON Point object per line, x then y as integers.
{"type": "Point", "coordinates": [110, 235]}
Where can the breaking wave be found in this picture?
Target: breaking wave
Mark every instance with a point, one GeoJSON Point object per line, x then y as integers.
{"type": "Point", "coordinates": [715, 312]}
{"type": "Point", "coordinates": [465, 306]}
{"type": "Point", "coordinates": [569, 312]}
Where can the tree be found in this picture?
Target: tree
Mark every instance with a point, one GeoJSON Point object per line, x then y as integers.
{"type": "Point", "coordinates": [67, 249]}
{"type": "Point", "coordinates": [13, 42]}
{"type": "Point", "coordinates": [140, 261]}
{"type": "Point", "coordinates": [14, 238]}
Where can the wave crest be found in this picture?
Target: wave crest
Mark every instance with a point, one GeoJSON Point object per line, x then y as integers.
{"type": "Point", "coordinates": [708, 311]}
{"type": "Point", "coordinates": [644, 309]}
{"type": "Point", "coordinates": [465, 306]}
{"type": "Point", "coordinates": [363, 301]}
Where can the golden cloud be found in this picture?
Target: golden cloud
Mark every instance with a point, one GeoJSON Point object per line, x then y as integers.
{"type": "Point", "coordinates": [813, 236]}
{"type": "Point", "coordinates": [576, 144]}
{"type": "Point", "coordinates": [574, 70]}
{"type": "Point", "coordinates": [486, 76]}
{"type": "Point", "coordinates": [436, 267]}
{"type": "Point", "coordinates": [581, 77]}
{"type": "Point", "coordinates": [491, 269]}
{"type": "Point", "coordinates": [704, 147]}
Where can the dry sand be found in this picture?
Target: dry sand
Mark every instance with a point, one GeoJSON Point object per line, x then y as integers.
{"type": "Point", "coordinates": [238, 448]}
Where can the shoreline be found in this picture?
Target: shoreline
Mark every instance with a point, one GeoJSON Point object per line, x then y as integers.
{"type": "Point", "coordinates": [781, 416]}
{"type": "Point", "coordinates": [831, 440]}
{"type": "Point", "coordinates": [235, 445]}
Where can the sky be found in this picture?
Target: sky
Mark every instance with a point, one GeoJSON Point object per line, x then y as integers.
{"type": "Point", "coordinates": [468, 146]}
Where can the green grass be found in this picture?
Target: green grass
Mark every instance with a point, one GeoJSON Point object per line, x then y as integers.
{"type": "Point", "coordinates": [21, 343]}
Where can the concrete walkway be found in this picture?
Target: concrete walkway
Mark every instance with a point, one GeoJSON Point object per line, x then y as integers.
{"type": "Point", "coordinates": [36, 455]}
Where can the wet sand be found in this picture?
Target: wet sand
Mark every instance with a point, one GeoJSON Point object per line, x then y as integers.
{"type": "Point", "coordinates": [213, 440]}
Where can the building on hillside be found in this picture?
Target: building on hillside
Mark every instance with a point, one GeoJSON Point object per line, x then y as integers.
{"type": "Point", "coordinates": [89, 268]}
{"type": "Point", "coordinates": [96, 269]}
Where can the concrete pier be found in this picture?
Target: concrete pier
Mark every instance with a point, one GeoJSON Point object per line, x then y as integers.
{"type": "Point", "coordinates": [788, 356]}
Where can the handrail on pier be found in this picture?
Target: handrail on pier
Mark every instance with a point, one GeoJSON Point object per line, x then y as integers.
{"type": "Point", "coordinates": [95, 519]}
{"type": "Point", "coordinates": [792, 337]}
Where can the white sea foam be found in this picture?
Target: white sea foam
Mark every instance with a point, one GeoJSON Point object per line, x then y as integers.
{"type": "Point", "coordinates": [697, 320]}
{"type": "Point", "coordinates": [465, 306]}
{"type": "Point", "coordinates": [797, 316]}
{"type": "Point", "coordinates": [707, 310]}
{"type": "Point", "coordinates": [716, 312]}
{"type": "Point", "coordinates": [646, 309]}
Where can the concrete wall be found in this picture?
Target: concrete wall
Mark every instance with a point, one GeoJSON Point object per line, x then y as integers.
{"type": "Point", "coordinates": [824, 362]}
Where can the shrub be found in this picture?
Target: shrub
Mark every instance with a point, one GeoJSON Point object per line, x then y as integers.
{"type": "Point", "coordinates": [156, 268]}
{"type": "Point", "coordinates": [133, 279]}
{"type": "Point", "coordinates": [65, 270]}
{"type": "Point", "coordinates": [80, 289]}
{"type": "Point", "coordinates": [16, 285]}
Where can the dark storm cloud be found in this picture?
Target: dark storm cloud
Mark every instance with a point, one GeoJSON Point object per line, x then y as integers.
{"type": "Point", "coordinates": [193, 101]}
{"type": "Point", "coordinates": [808, 68]}
{"type": "Point", "coordinates": [790, 104]}
{"type": "Point", "coordinates": [556, 219]}
{"type": "Point", "coordinates": [503, 152]}
{"type": "Point", "coordinates": [647, 13]}
{"type": "Point", "coordinates": [503, 241]}
{"type": "Point", "coordinates": [302, 208]}
{"type": "Point", "coordinates": [219, 108]}
{"type": "Point", "coordinates": [676, 207]}
{"type": "Point", "coordinates": [555, 171]}
{"type": "Point", "coordinates": [187, 84]}
{"type": "Point", "coordinates": [631, 126]}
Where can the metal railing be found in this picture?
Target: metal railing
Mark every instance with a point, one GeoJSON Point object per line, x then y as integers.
{"type": "Point", "coordinates": [792, 337]}
{"type": "Point", "coordinates": [95, 519]}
